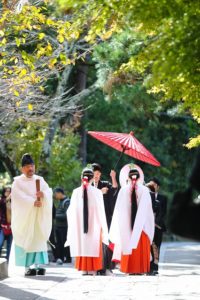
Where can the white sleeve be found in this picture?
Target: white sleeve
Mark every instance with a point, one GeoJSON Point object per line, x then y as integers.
{"type": "Point", "coordinates": [45, 212]}
{"type": "Point", "coordinates": [114, 233]}
{"type": "Point", "coordinates": [102, 217]}
{"type": "Point", "coordinates": [45, 188]}
{"type": "Point", "coordinates": [140, 220]}
{"type": "Point", "coordinates": [48, 194]}
{"type": "Point", "coordinates": [71, 218]}
{"type": "Point", "coordinates": [17, 193]}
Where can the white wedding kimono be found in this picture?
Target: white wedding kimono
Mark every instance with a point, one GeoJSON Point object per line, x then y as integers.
{"type": "Point", "coordinates": [121, 235]}
{"type": "Point", "coordinates": [86, 244]}
{"type": "Point", "coordinates": [31, 226]}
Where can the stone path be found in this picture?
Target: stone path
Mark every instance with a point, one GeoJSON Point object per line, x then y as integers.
{"type": "Point", "coordinates": [179, 279]}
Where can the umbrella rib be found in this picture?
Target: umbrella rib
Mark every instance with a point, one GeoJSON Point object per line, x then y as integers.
{"type": "Point", "coordinates": [132, 146]}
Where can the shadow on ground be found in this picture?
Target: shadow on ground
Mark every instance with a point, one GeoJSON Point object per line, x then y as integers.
{"type": "Point", "coordinates": [11, 293]}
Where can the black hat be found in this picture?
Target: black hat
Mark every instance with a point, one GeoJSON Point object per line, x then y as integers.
{"type": "Point", "coordinates": [133, 172]}
{"type": "Point", "coordinates": [96, 167]}
{"type": "Point", "coordinates": [27, 160]}
{"type": "Point", "coordinates": [87, 173]}
{"type": "Point", "coordinates": [156, 180]}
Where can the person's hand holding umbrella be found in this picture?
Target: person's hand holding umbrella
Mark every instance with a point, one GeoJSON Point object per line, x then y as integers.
{"type": "Point", "coordinates": [113, 178]}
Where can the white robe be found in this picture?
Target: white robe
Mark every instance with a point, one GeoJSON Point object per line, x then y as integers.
{"type": "Point", "coordinates": [31, 226]}
{"type": "Point", "coordinates": [120, 234]}
{"type": "Point", "coordinates": [86, 244]}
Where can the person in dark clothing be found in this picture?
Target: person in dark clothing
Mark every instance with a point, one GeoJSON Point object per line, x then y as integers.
{"type": "Point", "coordinates": [52, 235]}
{"type": "Point", "coordinates": [62, 252]}
{"type": "Point", "coordinates": [157, 213]}
{"type": "Point", "coordinates": [5, 220]}
{"type": "Point", "coordinates": [184, 212]}
{"type": "Point", "coordinates": [161, 226]}
{"type": "Point", "coordinates": [109, 191]}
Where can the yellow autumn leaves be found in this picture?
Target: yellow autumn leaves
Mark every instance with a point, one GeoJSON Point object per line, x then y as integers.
{"type": "Point", "coordinates": [31, 43]}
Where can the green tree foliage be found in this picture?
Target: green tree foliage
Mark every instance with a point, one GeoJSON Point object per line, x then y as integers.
{"type": "Point", "coordinates": [63, 167]}
{"type": "Point", "coordinates": [128, 107]}
{"type": "Point", "coordinates": [168, 57]}
{"type": "Point", "coordinates": [159, 51]}
{"type": "Point", "coordinates": [162, 134]}
{"type": "Point", "coordinates": [38, 48]}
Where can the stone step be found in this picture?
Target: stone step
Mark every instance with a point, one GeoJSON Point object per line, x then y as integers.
{"type": "Point", "coordinates": [3, 268]}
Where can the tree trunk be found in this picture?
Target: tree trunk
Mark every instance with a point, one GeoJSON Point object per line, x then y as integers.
{"type": "Point", "coordinates": [81, 93]}
{"type": "Point", "coordinates": [81, 80]}
{"type": "Point", "coordinates": [54, 122]}
{"type": "Point", "coordinates": [7, 162]}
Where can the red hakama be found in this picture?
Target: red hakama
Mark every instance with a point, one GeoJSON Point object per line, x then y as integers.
{"type": "Point", "coordinates": [139, 261]}
{"type": "Point", "coordinates": [84, 263]}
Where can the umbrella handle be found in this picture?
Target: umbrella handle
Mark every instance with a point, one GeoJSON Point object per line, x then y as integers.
{"type": "Point", "coordinates": [121, 154]}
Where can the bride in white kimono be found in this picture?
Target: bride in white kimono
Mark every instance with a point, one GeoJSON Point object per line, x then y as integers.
{"type": "Point", "coordinates": [132, 227]}
{"type": "Point", "coordinates": [87, 226]}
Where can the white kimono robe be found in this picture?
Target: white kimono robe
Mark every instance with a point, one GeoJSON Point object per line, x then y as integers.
{"type": "Point", "coordinates": [31, 226]}
{"type": "Point", "coordinates": [120, 234]}
{"type": "Point", "coordinates": [86, 244]}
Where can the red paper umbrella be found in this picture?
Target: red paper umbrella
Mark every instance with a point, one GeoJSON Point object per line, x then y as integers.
{"type": "Point", "coordinates": [125, 143]}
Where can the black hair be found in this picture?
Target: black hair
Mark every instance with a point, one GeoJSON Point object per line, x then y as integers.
{"type": "Point", "coordinates": [133, 207]}
{"type": "Point", "coordinates": [96, 167]}
{"type": "Point", "coordinates": [89, 174]}
{"type": "Point", "coordinates": [85, 211]}
{"type": "Point", "coordinates": [4, 190]}
{"type": "Point", "coordinates": [59, 190]}
{"type": "Point", "coordinates": [132, 172]}
{"type": "Point", "coordinates": [156, 180]}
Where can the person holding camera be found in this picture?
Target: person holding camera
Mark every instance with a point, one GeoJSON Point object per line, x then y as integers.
{"type": "Point", "coordinates": [5, 220]}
